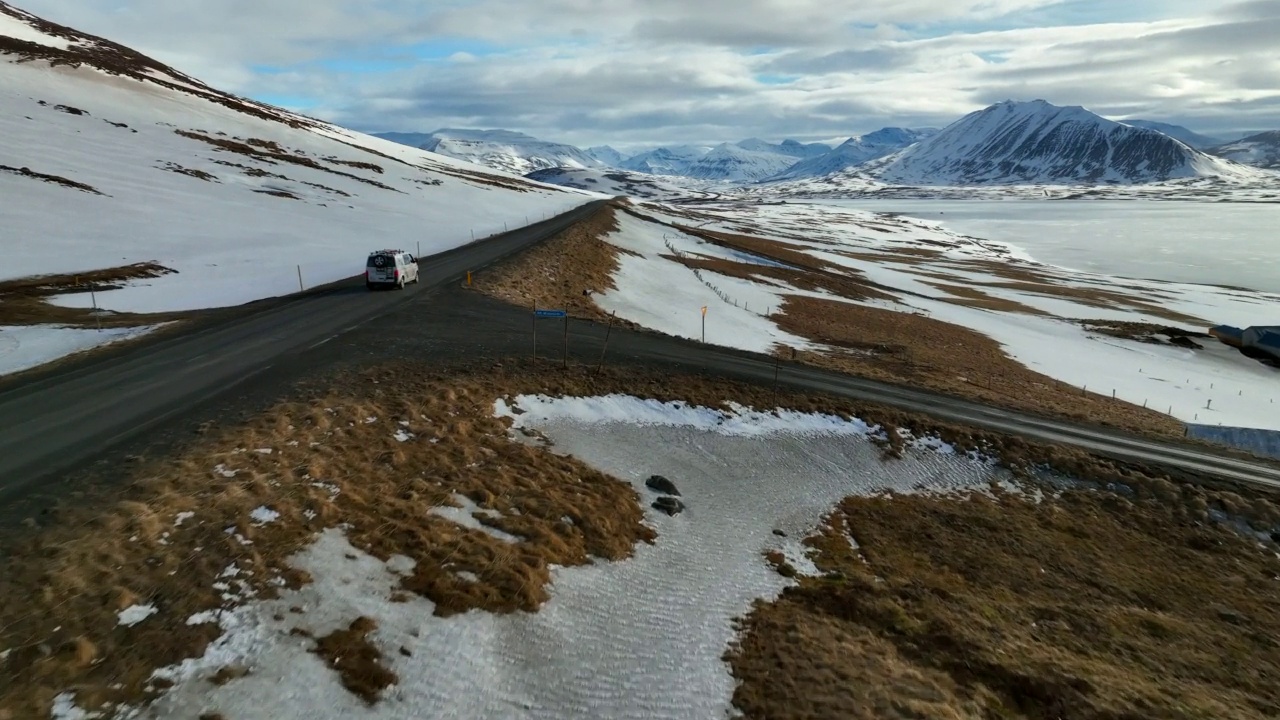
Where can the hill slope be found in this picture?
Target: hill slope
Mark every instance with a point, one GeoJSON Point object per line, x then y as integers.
{"type": "Point", "coordinates": [1187, 137]}
{"type": "Point", "coordinates": [1035, 142]}
{"type": "Point", "coordinates": [513, 152]}
{"type": "Point", "coordinates": [112, 158]}
{"type": "Point", "coordinates": [1261, 150]}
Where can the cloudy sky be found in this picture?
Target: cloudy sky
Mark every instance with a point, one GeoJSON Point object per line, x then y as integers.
{"type": "Point", "coordinates": [638, 72]}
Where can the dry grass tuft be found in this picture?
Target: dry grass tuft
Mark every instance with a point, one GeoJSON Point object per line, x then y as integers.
{"type": "Point", "coordinates": [356, 660]}
{"type": "Point", "coordinates": [1087, 605]}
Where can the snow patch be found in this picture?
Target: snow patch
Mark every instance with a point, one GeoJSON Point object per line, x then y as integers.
{"type": "Point", "coordinates": [466, 517]}
{"type": "Point", "coordinates": [263, 515]}
{"type": "Point", "coordinates": [23, 347]}
{"type": "Point", "coordinates": [135, 614]}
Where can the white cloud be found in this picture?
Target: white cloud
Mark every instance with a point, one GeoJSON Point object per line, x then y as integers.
{"type": "Point", "coordinates": [628, 71]}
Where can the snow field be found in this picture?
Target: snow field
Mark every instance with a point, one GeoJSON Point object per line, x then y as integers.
{"type": "Point", "coordinates": [641, 638]}
{"type": "Point", "coordinates": [230, 242]}
{"type": "Point", "coordinates": [1214, 385]}
{"type": "Point", "coordinates": [23, 347]}
{"type": "Point", "coordinates": [664, 295]}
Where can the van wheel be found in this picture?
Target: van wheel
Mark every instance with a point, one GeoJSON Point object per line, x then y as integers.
{"type": "Point", "coordinates": [400, 285]}
{"type": "Point", "coordinates": [368, 286]}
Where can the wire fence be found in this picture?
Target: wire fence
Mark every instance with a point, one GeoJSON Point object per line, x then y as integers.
{"type": "Point", "coordinates": [697, 272]}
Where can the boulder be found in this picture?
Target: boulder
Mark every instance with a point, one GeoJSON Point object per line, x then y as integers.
{"type": "Point", "coordinates": [668, 505]}
{"type": "Point", "coordinates": [662, 485]}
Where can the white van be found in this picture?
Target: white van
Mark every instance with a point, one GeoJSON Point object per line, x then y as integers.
{"type": "Point", "coordinates": [390, 268]}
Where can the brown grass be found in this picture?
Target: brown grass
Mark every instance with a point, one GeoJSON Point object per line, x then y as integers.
{"type": "Point", "coordinates": [278, 193]}
{"type": "Point", "coordinates": [356, 660]}
{"type": "Point", "coordinates": [869, 342]}
{"type": "Point", "coordinates": [555, 274]}
{"type": "Point", "coordinates": [24, 301]}
{"type": "Point", "coordinates": [103, 552]}
{"type": "Point", "coordinates": [972, 297]}
{"type": "Point", "coordinates": [271, 152]}
{"type": "Point", "coordinates": [52, 179]}
{"type": "Point", "coordinates": [496, 181]}
{"type": "Point", "coordinates": [1142, 332]}
{"type": "Point", "coordinates": [846, 286]}
{"type": "Point", "coordinates": [1085, 606]}
{"type": "Point", "coordinates": [785, 252]}
{"type": "Point", "coordinates": [189, 172]}
{"type": "Point", "coordinates": [96, 561]}
{"type": "Point", "coordinates": [927, 353]}
{"type": "Point", "coordinates": [1027, 280]}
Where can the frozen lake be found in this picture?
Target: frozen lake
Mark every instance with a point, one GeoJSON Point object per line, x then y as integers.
{"type": "Point", "coordinates": [1232, 244]}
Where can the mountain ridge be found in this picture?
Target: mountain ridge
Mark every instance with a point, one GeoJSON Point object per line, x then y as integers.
{"type": "Point", "coordinates": [1037, 142]}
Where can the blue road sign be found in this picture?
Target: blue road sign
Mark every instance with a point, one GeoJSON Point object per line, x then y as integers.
{"type": "Point", "coordinates": [550, 313]}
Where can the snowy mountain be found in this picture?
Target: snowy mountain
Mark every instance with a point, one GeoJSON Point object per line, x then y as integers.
{"type": "Point", "coordinates": [1036, 142]}
{"type": "Point", "coordinates": [1261, 150]}
{"type": "Point", "coordinates": [606, 155]}
{"type": "Point", "coordinates": [854, 152]}
{"type": "Point", "coordinates": [513, 152]}
{"type": "Point", "coordinates": [1177, 132]}
{"type": "Point", "coordinates": [108, 157]}
{"type": "Point", "coordinates": [787, 148]}
{"type": "Point", "coordinates": [734, 163]}
{"type": "Point", "coordinates": [612, 183]}
{"type": "Point", "coordinates": [665, 160]}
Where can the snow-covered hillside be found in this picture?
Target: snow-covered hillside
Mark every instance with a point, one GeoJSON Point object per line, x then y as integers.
{"type": "Point", "coordinates": [665, 160]}
{"type": "Point", "coordinates": [1261, 150]}
{"type": "Point", "coordinates": [855, 151]}
{"type": "Point", "coordinates": [513, 152]}
{"type": "Point", "coordinates": [1035, 142]}
{"type": "Point", "coordinates": [1187, 137]}
{"type": "Point", "coordinates": [110, 158]}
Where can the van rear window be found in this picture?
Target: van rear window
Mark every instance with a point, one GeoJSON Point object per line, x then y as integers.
{"type": "Point", "coordinates": [381, 261]}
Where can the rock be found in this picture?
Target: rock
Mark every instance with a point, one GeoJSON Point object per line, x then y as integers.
{"type": "Point", "coordinates": [1275, 537]}
{"type": "Point", "coordinates": [662, 485]}
{"type": "Point", "coordinates": [1184, 342]}
{"type": "Point", "coordinates": [779, 533]}
{"type": "Point", "coordinates": [1228, 615]}
{"type": "Point", "coordinates": [668, 505]}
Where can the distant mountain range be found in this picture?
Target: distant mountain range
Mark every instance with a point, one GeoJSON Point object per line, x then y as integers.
{"type": "Point", "coordinates": [854, 152]}
{"type": "Point", "coordinates": [1261, 150]}
{"type": "Point", "coordinates": [501, 149]}
{"type": "Point", "coordinates": [1008, 143]}
{"type": "Point", "coordinates": [1177, 132]}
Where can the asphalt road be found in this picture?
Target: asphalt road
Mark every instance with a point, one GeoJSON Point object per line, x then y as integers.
{"type": "Point", "coordinates": [53, 423]}
{"type": "Point", "coordinates": [244, 361]}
